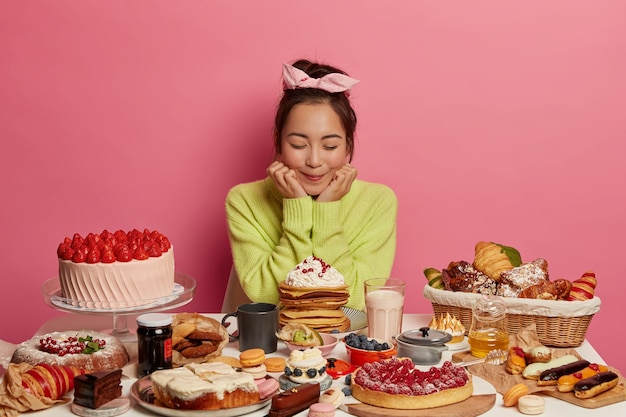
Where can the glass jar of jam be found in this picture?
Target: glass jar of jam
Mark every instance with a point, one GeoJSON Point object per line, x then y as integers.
{"type": "Point", "coordinates": [154, 342]}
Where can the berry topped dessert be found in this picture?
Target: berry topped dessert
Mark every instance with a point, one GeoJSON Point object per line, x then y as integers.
{"type": "Point", "coordinates": [312, 294]}
{"type": "Point", "coordinates": [305, 365]}
{"type": "Point", "coordinates": [396, 383]}
{"type": "Point", "coordinates": [87, 349]}
{"type": "Point", "coordinates": [116, 270]}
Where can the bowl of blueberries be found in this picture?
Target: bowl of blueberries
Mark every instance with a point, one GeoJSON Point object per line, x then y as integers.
{"type": "Point", "coordinates": [362, 349]}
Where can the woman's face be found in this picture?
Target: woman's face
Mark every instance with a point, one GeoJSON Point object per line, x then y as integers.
{"type": "Point", "coordinates": [313, 143]}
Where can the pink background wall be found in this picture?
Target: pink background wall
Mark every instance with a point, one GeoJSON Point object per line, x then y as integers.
{"type": "Point", "coordinates": [491, 120]}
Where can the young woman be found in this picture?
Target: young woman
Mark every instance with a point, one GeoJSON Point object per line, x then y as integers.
{"type": "Point", "coordinates": [310, 203]}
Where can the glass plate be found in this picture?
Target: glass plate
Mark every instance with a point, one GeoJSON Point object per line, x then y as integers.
{"type": "Point", "coordinates": [142, 392]}
{"type": "Point", "coordinates": [459, 346]}
{"type": "Point", "coordinates": [358, 318]}
{"type": "Point", "coordinates": [182, 293]}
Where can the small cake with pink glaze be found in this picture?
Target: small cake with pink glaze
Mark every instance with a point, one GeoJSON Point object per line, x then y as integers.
{"type": "Point", "coordinates": [116, 270]}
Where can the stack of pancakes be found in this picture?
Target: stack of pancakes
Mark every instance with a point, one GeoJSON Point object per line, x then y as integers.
{"type": "Point", "coordinates": [317, 307]}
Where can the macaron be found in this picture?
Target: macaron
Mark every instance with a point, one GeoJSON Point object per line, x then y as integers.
{"type": "Point", "coordinates": [321, 410]}
{"type": "Point", "coordinates": [228, 360]}
{"type": "Point", "coordinates": [333, 396]}
{"type": "Point", "coordinates": [513, 394]}
{"type": "Point", "coordinates": [267, 387]}
{"type": "Point", "coordinates": [275, 364]}
{"type": "Point", "coordinates": [252, 357]}
{"type": "Point", "coordinates": [257, 372]}
{"type": "Point", "coordinates": [531, 404]}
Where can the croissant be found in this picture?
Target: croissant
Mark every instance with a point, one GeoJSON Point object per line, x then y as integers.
{"type": "Point", "coordinates": [50, 381]}
{"type": "Point", "coordinates": [26, 387]}
{"type": "Point", "coordinates": [583, 288]}
{"type": "Point", "coordinates": [433, 276]}
{"type": "Point", "coordinates": [492, 259]}
{"type": "Point", "coordinates": [563, 287]}
{"type": "Point", "coordinates": [545, 290]}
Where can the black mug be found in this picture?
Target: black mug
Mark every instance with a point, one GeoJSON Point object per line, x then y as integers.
{"type": "Point", "coordinates": [257, 324]}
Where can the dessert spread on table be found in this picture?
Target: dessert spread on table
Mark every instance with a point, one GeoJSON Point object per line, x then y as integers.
{"type": "Point", "coordinates": [46, 368]}
{"type": "Point", "coordinates": [313, 293]}
{"type": "Point", "coordinates": [534, 369]}
{"type": "Point", "coordinates": [116, 270]}
{"type": "Point", "coordinates": [568, 373]}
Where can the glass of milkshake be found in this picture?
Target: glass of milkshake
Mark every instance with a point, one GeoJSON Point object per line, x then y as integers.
{"type": "Point", "coordinates": [384, 302]}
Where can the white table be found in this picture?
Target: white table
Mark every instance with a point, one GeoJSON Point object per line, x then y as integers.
{"type": "Point", "coordinates": [554, 407]}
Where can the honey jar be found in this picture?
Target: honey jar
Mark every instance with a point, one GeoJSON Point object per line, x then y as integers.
{"type": "Point", "coordinates": [488, 330]}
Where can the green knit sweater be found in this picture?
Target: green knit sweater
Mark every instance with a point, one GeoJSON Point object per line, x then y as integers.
{"type": "Point", "coordinates": [269, 235]}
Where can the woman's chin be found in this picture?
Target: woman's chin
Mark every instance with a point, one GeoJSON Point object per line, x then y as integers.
{"type": "Point", "coordinates": [314, 191]}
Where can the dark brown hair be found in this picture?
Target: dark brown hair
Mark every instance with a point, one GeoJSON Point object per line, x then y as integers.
{"type": "Point", "coordinates": [338, 101]}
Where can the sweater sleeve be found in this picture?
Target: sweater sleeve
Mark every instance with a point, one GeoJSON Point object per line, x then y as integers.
{"type": "Point", "coordinates": [268, 236]}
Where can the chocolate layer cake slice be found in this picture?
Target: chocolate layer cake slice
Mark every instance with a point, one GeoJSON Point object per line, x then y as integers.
{"type": "Point", "coordinates": [97, 388]}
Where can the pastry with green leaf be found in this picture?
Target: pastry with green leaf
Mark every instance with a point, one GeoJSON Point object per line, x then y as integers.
{"type": "Point", "coordinates": [492, 259]}
{"type": "Point", "coordinates": [300, 334]}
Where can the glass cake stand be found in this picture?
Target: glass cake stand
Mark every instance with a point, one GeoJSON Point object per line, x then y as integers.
{"type": "Point", "coordinates": [183, 292]}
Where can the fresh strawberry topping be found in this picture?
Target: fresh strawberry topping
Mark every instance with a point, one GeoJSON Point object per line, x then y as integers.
{"type": "Point", "coordinates": [71, 345]}
{"type": "Point", "coordinates": [108, 247]}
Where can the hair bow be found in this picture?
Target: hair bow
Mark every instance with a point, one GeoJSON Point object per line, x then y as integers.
{"type": "Point", "coordinates": [333, 83]}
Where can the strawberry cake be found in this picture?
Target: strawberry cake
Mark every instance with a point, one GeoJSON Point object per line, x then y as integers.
{"type": "Point", "coordinates": [397, 383]}
{"type": "Point", "coordinates": [116, 270]}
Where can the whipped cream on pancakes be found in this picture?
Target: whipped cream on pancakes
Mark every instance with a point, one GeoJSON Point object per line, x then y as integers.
{"type": "Point", "coordinates": [314, 272]}
{"type": "Point", "coordinates": [313, 294]}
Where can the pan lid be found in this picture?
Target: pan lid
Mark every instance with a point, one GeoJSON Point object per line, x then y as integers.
{"type": "Point", "coordinates": [425, 336]}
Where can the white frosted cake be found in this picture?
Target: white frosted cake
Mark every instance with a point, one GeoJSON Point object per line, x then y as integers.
{"type": "Point", "coordinates": [73, 348]}
{"type": "Point", "coordinates": [206, 386]}
{"type": "Point", "coordinates": [116, 270]}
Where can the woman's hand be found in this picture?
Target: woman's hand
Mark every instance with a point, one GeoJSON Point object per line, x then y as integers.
{"type": "Point", "coordinates": [286, 180]}
{"type": "Point", "coordinates": [340, 185]}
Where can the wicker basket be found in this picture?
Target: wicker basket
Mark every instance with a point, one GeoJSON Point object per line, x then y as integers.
{"type": "Point", "coordinates": [558, 323]}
